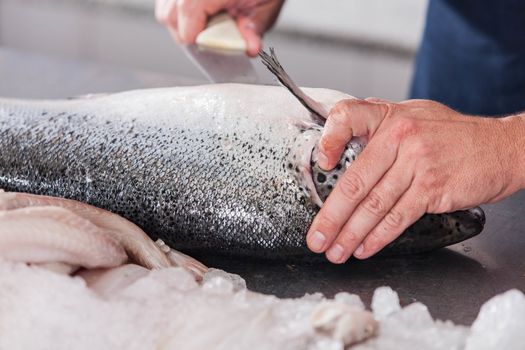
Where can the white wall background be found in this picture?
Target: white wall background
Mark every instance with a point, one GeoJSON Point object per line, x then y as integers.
{"type": "Point", "coordinates": [396, 23]}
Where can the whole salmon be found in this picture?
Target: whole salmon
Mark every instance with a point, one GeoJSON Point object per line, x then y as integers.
{"type": "Point", "coordinates": [210, 169]}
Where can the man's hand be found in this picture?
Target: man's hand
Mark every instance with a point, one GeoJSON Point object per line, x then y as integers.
{"type": "Point", "coordinates": [185, 19]}
{"type": "Point", "coordinates": [422, 157]}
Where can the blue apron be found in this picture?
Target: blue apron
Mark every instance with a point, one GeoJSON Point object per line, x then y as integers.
{"type": "Point", "coordinates": [472, 57]}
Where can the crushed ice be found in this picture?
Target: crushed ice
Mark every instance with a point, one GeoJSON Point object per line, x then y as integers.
{"type": "Point", "coordinates": [168, 309]}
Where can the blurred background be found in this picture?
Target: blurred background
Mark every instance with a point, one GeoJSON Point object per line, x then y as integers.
{"type": "Point", "coordinates": [49, 48]}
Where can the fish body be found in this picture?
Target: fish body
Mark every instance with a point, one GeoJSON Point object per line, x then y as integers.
{"type": "Point", "coordinates": [214, 169]}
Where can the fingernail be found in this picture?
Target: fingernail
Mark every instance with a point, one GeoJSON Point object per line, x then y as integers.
{"type": "Point", "coordinates": [322, 160]}
{"type": "Point", "coordinates": [359, 250]}
{"type": "Point", "coordinates": [317, 241]}
{"type": "Point", "coordinates": [335, 254]}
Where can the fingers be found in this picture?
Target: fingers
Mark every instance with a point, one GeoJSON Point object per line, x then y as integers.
{"type": "Point", "coordinates": [253, 22]}
{"type": "Point", "coordinates": [166, 12]}
{"type": "Point", "coordinates": [370, 212]}
{"type": "Point", "coordinates": [185, 19]}
{"type": "Point", "coordinates": [248, 30]}
{"type": "Point", "coordinates": [407, 210]}
{"type": "Point", "coordinates": [350, 190]}
{"type": "Point", "coordinates": [191, 20]}
{"type": "Point", "coordinates": [348, 118]}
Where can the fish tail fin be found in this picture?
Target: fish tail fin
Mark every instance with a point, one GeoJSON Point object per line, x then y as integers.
{"type": "Point", "coordinates": [271, 62]}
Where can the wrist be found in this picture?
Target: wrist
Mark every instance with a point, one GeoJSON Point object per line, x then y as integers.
{"type": "Point", "coordinates": [514, 133]}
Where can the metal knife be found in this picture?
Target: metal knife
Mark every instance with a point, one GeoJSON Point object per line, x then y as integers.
{"type": "Point", "coordinates": [221, 59]}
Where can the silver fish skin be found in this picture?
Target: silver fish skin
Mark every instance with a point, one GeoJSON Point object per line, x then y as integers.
{"type": "Point", "coordinates": [224, 169]}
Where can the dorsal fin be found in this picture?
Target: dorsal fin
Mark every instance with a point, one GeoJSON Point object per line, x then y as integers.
{"type": "Point", "coordinates": [319, 112]}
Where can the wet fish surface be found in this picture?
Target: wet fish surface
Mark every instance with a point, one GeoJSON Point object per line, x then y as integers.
{"type": "Point", "coordinates": [225, 169]}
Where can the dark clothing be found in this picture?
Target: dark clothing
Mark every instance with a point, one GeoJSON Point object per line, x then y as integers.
{"type": "Point", "coordinates": [472, 57]}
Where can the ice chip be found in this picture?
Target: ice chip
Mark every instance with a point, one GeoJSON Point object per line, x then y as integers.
{"type": "Point", "coordinates": [218, 284]}
{"type": "Point", "coordinates": [384, 302]}
{"type": "Point", "coordinates": [237, 282]}
{"type": "Point", "coordinates": [350, 299]}
{"type": "Point", "coordinates": [416, 314]}
{"type": "Point", "coordinates": [169, 309]}
{"type": "Point", "coordinates": [347, 323]}
{"type": "Point", "coordinates": [412, 328]}
{"type": "Point", "coordinates": [500, 323]}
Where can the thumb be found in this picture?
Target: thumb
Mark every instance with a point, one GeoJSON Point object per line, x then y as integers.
{"type": "Point", "coordinates": [348, 118]}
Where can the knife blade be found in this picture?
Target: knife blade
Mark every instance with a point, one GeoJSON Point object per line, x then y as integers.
{"type": "Point", "coordinates": [222, 66]}
{"type": "Point", "coordinates": [220, 54]}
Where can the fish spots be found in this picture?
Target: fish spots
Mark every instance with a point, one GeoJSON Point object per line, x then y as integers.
{"type": "Point", "coordinates": [325, 181]}
{"type": "Point", "coordinates": [174, 178]}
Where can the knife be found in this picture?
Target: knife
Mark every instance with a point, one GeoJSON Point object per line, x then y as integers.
{"type": "Point", "coordinates": [220, 54]}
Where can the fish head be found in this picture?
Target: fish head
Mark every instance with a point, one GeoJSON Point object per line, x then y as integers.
{"type": "Point", "coordinates": [302, 162]}
{"type": "Point", "coordinates": [431, 231]}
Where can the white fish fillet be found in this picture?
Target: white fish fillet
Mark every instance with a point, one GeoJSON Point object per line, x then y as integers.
{"type": "Point", "coordinates": [53, 234]}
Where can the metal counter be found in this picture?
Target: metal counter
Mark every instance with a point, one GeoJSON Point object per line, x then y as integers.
{"type": "Point", "coordinates": [452, 282]}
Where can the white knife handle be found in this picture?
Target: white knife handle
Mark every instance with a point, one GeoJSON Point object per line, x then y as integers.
{"type": "Point", "coordinates": [221, 32]}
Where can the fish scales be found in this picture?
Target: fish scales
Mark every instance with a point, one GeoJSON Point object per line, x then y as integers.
{"type": "Point", "coordinates": [208, 169]}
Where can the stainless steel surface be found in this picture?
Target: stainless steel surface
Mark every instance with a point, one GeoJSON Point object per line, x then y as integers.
{"type": "Point", "coordinates": [452, 282]}
{"type": "Point", "coordinates": [223, 66]}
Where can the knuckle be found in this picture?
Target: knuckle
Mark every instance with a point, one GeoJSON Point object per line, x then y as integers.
{"type": "Point", "coordinates": [441, 204]}
{"type": "Point", "coordinates": [422, 149]}
{"type": "Point", "coordinates": [340, 118]}
{"type": "Point", "coordinates": [351, 185]}
{"type": "Point", "coordinates": [184, 5]}
{"type": "Point", "coordinates": [350, 238]}
{"type": "Point", "coordinates": [430, 181]}
{"type": "Point", "coordinates": [328, 143]}
{"type": "Point", "coordinates": [404, 127]}
{"type": "Point", "coordinates": [343, 105]}
{"type": "Point", "coordinates": [376, 241]}
{"type": "Point", "coordinates": [393, 220]}
{"type": "Point", "coordinates": [327, 224]}
{"type": "Point", "coordinates": [342, 111]}
{"type": "Point", "coordinates": [374, 236]}
{"type": "Point", "coordinates": [388, 109]}
{"type": "Point", "coordinates": [375, 204]}
{"type": "Point", "coordinates": [348, 243]}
